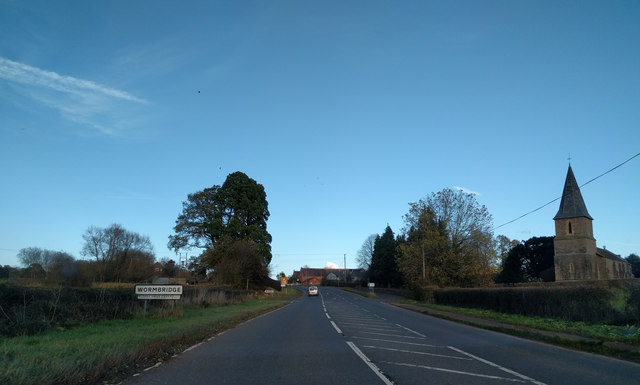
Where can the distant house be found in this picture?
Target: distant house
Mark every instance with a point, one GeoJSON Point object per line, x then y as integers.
{"type": "Point", "coordinates": [157, 269]}
{"type": "Point", "coordinates": [308, 276]}
{"type": "Point", "coordinates": [311, 277]}
{"type": "Point", "coordinates": [576, 255]}
{"type": "Point", "coordinates": [332, 277]}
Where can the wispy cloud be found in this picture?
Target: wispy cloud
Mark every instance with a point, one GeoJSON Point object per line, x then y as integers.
{"type": "Point", "coordinates": [79, 100]}
{"type": "Point", "coordinates": [466, 190]}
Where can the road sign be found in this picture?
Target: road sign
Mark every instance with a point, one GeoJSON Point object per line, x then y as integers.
{"type": "Point", "coordinates": [158, 291]}
{"type": "Point", "coordinates": [283, 281]}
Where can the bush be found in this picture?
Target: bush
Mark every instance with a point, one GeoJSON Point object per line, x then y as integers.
{"type": "Point", "coordinates": [587, 303]}
{"type": "Point", "coordinates": [633, 303]}
{"type": "Point", "coordinates": [29, 310]}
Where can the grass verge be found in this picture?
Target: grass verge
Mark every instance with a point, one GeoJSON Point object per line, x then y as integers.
{"type": "Point", "coordinates": [109, 350]}
{"type": "Point", "coordinates": [617, 341]}
{"type": "Point", "coordinates": [360, 292]}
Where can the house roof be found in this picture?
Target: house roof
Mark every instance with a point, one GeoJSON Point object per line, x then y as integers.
{"type": "Point", "coordinates": [571, 205]}
{"type": "Point", "coordinates": [309, 271]}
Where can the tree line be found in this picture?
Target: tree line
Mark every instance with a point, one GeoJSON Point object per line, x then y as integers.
{"type": "Point", "coordinates": [447, 240]}
{"type": "Point", "coordinates": [111, 254]}
{"type": "Point", "coordinates": [227, 224]}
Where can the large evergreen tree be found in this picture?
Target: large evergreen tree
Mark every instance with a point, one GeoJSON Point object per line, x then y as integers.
{"type": "Point", "coordinates": [634, 261]}
{"type": "Point", "coordinates": [384, 269]}
{"type": "Point", "coordinates": [229, 223]}
{"type": "Point", "coordinates": [530, 261]}
{"type": "Point", "coordinates": [424, 257]}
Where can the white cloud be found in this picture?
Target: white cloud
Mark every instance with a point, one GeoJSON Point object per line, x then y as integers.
{"type": "Point", "coordinates": [331, 265]}
{"type": "Point", "coordinates": [466, 190]}
{"type": "Point", "coordinates": [78, 100]}
{"type": "Point", "coordinates": [26, 74]}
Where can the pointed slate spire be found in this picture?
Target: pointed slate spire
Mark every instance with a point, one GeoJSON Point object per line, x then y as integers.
{"type": "Point", "coordinates": [571, 205]}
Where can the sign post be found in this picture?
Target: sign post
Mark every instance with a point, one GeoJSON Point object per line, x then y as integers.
{"type": "Point", "coordinates": [158, 291]}
{"type": "Point", "coordinates": [283, 283]}
{"type": "Point", "coordinates": [147, 292]}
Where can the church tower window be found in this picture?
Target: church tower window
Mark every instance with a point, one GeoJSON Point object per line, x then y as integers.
{"type": "Point", "coordinates": [570, 228]}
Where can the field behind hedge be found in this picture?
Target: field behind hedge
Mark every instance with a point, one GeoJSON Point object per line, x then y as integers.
{"type": "Point", "coordinates": [608, 302]}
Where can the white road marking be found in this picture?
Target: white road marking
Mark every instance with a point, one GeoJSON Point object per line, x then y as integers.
{"type": "Point", "coordinates": [497, 366]}
{"type": "Point", "coordinates": [359, 326]}
{"type": "Point", "coordinates": [192, 347]}
{"type": "Point", "coordinates": [336, 327]}
{"type": "Point", "coordinates": [363, 318]}
{"type": "Point", "coordinates": [393, 335]}
{"type": "Point", "coordinates": [363, 323]}
{"type": "Point", "coordinates": [412, 331]}
{"type": "Point", "coordinates": [152, 367]}
{"type": "Point", "coordinates": [453, 371]}
{"type": "Point", "coordinates": [398, 342]}
{"type": "Point", "coordinates": [416, 352]}
{"type": "Point", "coordinates": [370, 364]}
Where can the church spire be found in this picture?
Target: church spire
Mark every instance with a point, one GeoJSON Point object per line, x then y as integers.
{"type": "Point", "coordinates": [571, 205]}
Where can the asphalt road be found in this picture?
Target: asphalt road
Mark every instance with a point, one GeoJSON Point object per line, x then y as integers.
{"type": "Point", "coordinates": [342, 338]}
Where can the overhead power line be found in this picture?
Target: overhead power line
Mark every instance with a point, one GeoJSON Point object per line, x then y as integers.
{"type": "Point", "coordinates": [550, 202]}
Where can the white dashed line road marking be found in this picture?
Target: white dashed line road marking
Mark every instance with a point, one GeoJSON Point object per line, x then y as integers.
{"type": "Point", "coordinates": [336, 327]}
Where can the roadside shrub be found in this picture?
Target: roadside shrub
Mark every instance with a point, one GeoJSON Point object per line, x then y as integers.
{"type": "Point", "coordinates": [421, 293]}
{"type": "Point", "coordinates": [210, 296]}
{"type": "Point", "coordinates": [32, 310]}
{"type": "Point", "coordinates": [29, 310]}
{"type": "Point", "coordinates": [588, 303]}
{"type": "Point", "coordinates": [633, 303]}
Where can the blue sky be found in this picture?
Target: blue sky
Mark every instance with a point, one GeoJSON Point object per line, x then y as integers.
{"type": "Point", "coordinates": [345, 111]}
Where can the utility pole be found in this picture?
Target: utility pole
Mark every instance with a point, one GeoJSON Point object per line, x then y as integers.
{"type": "Point", "coordinates": [424, 273]}
{"type": "Point", "coordinates": [345, 268]}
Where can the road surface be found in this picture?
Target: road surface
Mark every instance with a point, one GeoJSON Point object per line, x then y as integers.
{"type": "Point", "coordinates": [343, 338]}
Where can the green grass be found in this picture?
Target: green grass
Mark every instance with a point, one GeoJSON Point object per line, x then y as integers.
{"type": "Point", "coordinates": [359, 292]}
{"type": "Point", "coordinates": [629, 334]}
{"type": "Point", "coordinates": [616, 341]}
{"type": "Point", "coordinates": [107, 350]}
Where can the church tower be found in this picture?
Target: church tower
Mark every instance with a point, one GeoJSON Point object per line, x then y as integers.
{"type": "Point", "coordinates": [574, 244]}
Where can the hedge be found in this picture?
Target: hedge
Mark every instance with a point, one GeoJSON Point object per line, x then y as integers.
{"type": "Point", "coordinates": [611, 303]}
{"type": "Point", "coordinates": [29, 310]}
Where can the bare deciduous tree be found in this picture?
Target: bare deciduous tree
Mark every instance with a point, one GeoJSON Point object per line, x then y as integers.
{"type": "Point", "coordinates": [117, 251]}
{"type": "Point", "coordinates": [365, 253]}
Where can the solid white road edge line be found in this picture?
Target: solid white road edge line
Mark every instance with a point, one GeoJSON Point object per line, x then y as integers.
{"type": "Point", "coordinates": [370, 364]}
